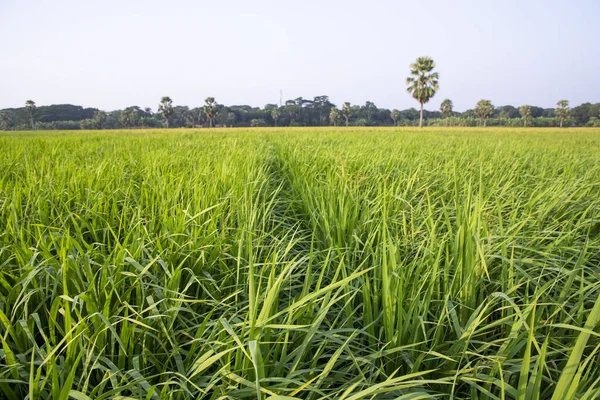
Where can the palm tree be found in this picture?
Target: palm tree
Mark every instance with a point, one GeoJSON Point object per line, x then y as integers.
{"type": "Point", "coordinates": [484, 110]}
{"type": "Point", "coordinates": [422, 83]}
{"type": "Point", "coordinates": [562, 111]}
{"type": "Point", "coordinates": [525, 112]}
{"type": "Point", "coordinates": [395, 116]}
{"type": "Point", "coordinates": [30, 107]}
{"type": "Point", "coordinates": [165, 108]}
{"type": "Point", "coordinates": [334, 116]}
{"type": "Point", "coordinates": [275, 115]}
{"type": "Point", "coordinates": [210, 109]}
{"type": "Point", "coordinates": [346, 111]}
{"type": "Point", "coordinates": [446, 108]}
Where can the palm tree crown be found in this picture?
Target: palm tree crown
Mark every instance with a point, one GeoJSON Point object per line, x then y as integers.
{"type": "Point", "coordinates": [422, 82]}
{"type": "Point", "coordinates": [446, 108]}
{"type": "Point", "coordinates": [562, 111]}
{"type": "Point", "coordinates": [346, 111]}
{"type": "Point", "coordinates": [210, 109]}
{"type": "Point", "coordinates": [165, 108]}
{"type": "Point", "coordinates": [525, 112]}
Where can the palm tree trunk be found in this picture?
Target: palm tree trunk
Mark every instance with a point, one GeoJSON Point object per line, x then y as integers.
{"type": "Point", "coordinates": [167, 122]}
{"type": "Point", "coordinates": [346, 121]}
{"type": "Point", "coordinates": [421, 120]}
{"type": "Point", "coordinates": [561, 122]}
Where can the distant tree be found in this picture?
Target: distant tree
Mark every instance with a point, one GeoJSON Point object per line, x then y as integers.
{"type": "Point", "coordinates": [334, 116]}
{"type": "Point", "coordinates": [130, 117]}
{"type": "Point", "coordinates": [165, 108]}
{"type": "Point", "coordinates": [369, 108]}
{"type": "Point", "coordinates": [562, 111]}
{"type": "Point", "coordinates": [346, 111]}
{"type": "Point", "coordinates": [395, 116]}
{"type": "Point", "coordinates": [446, 108]}
{"type": "Point", "coordinates": [422, 83]}
{"type": "Point", "coordinates": [525, 112]}
{"type": "Point", "coordinates": [322, 103]}
{"type": "Point", "coordinates": [484, 110]}
{"type": "Point", "coordinates": [30, 107]}
{"type": "Point", "coordinates": [275, 115]}
{"type": "Point", "coordinates": [98, 120]}
{"type": "Point", "coordinates": [7, 120]}
{"type": "Point", "coordinates": [507, 112]}
{"type": "Point", "coordinates": [258, 122]}
{"type": "Point", "coordinates": [210, 110]}
{"type": "Point", "coordinates": [86, 124]}
{"type": "Point", "coordinates": [226, 118]}
{"type": "Point", "coordinates": [194, 117]}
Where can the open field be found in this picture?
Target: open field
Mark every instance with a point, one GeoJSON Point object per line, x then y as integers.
{"type": "Point", "coordinates": [310, 263]}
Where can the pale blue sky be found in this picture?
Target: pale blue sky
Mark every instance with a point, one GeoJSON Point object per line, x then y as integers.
{"type": "Point", "coordinates": [112, 54]}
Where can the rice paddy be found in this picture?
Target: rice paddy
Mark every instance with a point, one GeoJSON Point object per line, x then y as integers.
{"type": "Point", "coordinates": [321, 263]}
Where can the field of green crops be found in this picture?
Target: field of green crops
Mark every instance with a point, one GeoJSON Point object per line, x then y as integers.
{"type": "Point", "coordinates": [319, 263]}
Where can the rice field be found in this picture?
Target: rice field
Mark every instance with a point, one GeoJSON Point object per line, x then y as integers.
{"type": "Point", "coordinates": [315, 263]}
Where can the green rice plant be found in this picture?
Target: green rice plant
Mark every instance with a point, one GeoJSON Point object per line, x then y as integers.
{"type": "Point", "coordinates": [300, 264]}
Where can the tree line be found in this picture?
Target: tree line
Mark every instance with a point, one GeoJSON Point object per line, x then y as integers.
{"type": "Point", "coordinates": [422, 84]}
{"type": "Point", "coordinates": [297, 112]}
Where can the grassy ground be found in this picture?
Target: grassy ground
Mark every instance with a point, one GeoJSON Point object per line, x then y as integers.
{"type": "Point", "coordinates": [309, 263]}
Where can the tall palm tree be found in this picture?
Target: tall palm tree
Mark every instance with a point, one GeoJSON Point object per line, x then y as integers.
{"type": "Point", "coordinates": [334, 116]}
{"type": "Point", "coordinates": [30, 107]}
{"type": "Point", "coordinates": [346, 111]}
{"type": "Point", "coordinates": [446, 108]}
{"type": "Point", "coordinates": [395, 116]}
{"type": "Point", "coordinates": [422, 83]}
{"type": "Point", "coordinates": [210, 109]}
{"type": "Point", "coordinates": [165, 108]}
{"type": "Point", "coordinates": [525, 112]}
{"type": "Point", "coordinates": [275, 115]}
{"type": "Point", "coordinates": [562, 111]}
{"type": "Point", "coordinates": [484, 110]}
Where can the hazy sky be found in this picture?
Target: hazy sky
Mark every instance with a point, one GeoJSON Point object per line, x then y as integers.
{"type": "Point", "coordinates": [112, 54]}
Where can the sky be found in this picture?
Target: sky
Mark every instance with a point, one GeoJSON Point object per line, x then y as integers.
{"type": "Point", "coordinates": [113, 54]}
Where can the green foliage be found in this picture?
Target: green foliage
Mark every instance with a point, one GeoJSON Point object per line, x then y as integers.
{"type": "Point", "coordinates": [7, 120]}
{"type": "Point", "coordinates": [275, 115]}
{"type": "Point", "coordinates": [525, 112]}
{"type": "Point", "coordinates": [298, 112]}
{"type": "Point", "coordinates": [594, 122]}
{"type": "Point", "coordinates": [324, 263]}
{"type": "Point", "coordinates": [334, 116]}
{"type": "Point", "coordinates": [210, 110]}
{"type": "Point", "coordinates": [562, 111]}
{"type": "Point", "coordinates": [130, 117]}
{"type": "Point", "coordinates": [99, 119]}
{"type": "Point", "coordinates": [30, 108]}
{"type": "Point", "coordinates": [347, 111]}
{"type": "Point", "coordinates": [484, 110]}
{"type": "Point", "coordinates": [258, 123]}
{"type": "Point", "coordinates": [446, 108]}
{"type": "Point", "coordinates": [165, 108]}
{"type": "Point", "coordinates": [395, 115]}
{"type": "Point", "coordinates": [422, 82]}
